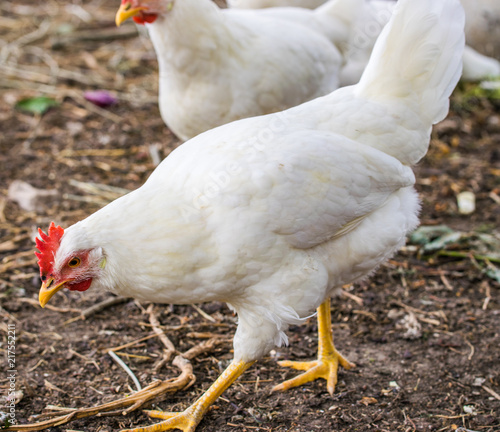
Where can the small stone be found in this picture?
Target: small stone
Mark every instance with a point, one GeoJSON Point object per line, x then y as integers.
{"type": "Point", "coordinates": [478, 382]}
{"type": "Point", "coordinates": [466, 203]}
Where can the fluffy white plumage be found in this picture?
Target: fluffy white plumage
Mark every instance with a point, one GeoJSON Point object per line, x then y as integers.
{"type": "Point", "coordinates": [272, 214]}
{"type": "Point", "coordinates": [374, 15]}
{"type": "Point", "coordinates": [220, 65]}
{"type": "Point", "coordinates": [372, 18]}
{"type": "Point", "coordinates": [482, 31]}
{"type": "Point", "coordinates": [257, 4]}
{"type": "Point", "coordinates": [482, 26]}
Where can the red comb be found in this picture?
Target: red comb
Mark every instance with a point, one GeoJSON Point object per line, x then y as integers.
{"type": "Point", "coordinates": [47, 244]}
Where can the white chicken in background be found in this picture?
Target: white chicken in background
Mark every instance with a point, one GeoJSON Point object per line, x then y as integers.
{"type": "Point", "coordinates": [478, 67]}
{"type": "Point", "coordinates": [482, 32]}
{"type": "Point", "coordinates": [273, 214]}
{"type": "Point", "coordinates": [220, 65]}
{"type": "Point", "coordinates": [372, 18]}
{"type": "Point", "coordinates": [482, 25]}
{"type": "Point", "coordinates": [319, 20]}
{"type": "Point", "coordinates": [258, 4]}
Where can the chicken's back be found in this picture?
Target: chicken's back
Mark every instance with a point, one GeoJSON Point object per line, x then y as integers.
{"type": "Point", "coordinates": [405, 88]}
{"type": "Point", "coordinates": [257, 4]}
{"type": "Point", "coordinates": [336, 19]}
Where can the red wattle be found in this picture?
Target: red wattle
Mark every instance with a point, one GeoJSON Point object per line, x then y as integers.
{"type": "Point", "coordinates": [80, 286]}
{"type": "Point", "coordinates": [145, 18]}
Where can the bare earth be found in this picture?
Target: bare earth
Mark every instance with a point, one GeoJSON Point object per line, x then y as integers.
{"type": "Point", "coordinates": [423, 331]}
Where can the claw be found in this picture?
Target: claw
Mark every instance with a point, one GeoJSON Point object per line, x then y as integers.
{"type": "Point", "coordinates": [326, 368]}
{"type": "Point", "coordinates": [328, 362]}
{"type": "Point", "coordinates": [161, 414]}
{"type": "Point", "coordinates": [187, 420]}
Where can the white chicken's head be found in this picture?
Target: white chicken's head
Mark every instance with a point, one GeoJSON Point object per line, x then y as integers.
{"type": "Point", "coordinates": [142, 11]}
{"type": "Point", "coordinates": [74, 270]}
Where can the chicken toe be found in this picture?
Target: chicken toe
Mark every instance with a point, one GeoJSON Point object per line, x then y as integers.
{"type": "Point", "coordinates": [189, 419]}
{"type": "Point", "coordinates": [329, 358]}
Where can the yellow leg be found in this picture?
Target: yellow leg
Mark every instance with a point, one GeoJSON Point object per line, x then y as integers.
{"type": "Point", "coordinates": [189, 419]}
{"type": "Point", "coordinates": [328, 357]}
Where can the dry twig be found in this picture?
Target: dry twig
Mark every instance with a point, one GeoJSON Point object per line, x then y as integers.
{"type": "Point", "coordinates": [203, 313]}
{"type": "Point", "coordinates": [353, 297]}
{"type": "Point", "coordinates": [203, 347]}
{"type": "Point", "coordinates": [169, 346]}
{"type": "Point", "coordinates": [487, 299]}
{"type": "Point", "coordinates": [86, 359]}
{"type": "Point", "coordinates": [492, 392]}
{"type": "Point", "coordinates": [49, 307]}
{"type": "Point", "coordinates": [106, 34]}
{"type": "Point", "coordinates": [92, 310]}
{"type": "Point", "coordinates": [133, 402]}
{"type": "Point", "coordinates": [112, 301]}
{"type": "Point", "coordinates": [135, 342]}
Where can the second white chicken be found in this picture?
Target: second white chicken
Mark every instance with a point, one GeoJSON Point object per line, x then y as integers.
{"type": "Point", "coordinates": [375, 14]}
{"type": "Point", "coordinates": [257, 4]}
{"type": "Point", "coordinates": [220, 65]}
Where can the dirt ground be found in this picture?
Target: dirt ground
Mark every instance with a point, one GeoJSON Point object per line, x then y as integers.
{"type": "Point", "coordinates": [424, 331]}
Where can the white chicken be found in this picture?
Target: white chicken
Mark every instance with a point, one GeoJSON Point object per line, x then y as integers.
{"type": "Point", "coordinates": [220, 65]}
{"type": "Point", "coordinates": [273, 214]}
{"type": "Point", "coordinates": [478, 67]}
{"type": "Point", "coordinates": [258, 4]}
{"type": "Point", "coordinates": [482, 31]}
{"type": "Point", "coordinates": [372, 18]}
{"type": "Point", "coordinates": [482, 25]}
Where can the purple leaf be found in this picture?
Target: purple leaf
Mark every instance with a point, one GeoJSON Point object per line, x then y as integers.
{"type": "Point", "coordinates": [100, 98]}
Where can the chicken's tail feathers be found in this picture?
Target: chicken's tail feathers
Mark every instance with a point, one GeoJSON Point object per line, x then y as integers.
{"type": "Point", "coordinates": [418, 57]}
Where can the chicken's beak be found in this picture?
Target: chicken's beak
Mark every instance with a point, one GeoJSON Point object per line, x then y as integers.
{"type": "Point", "coordinates": [126, 11]}
{"type": "Point", "coordinates": [47, 290]}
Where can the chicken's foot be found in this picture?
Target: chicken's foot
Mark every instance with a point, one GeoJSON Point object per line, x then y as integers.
{"type": "Point", "coordinates": [189, 419]}
{"type": "Point", "coordinates": [329, 359]}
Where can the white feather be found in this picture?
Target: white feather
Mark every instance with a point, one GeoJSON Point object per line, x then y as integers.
{"type": "Point", "coordinates": [257, 4]}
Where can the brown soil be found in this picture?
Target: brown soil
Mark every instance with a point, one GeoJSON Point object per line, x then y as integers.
{"type": "Point", "coordinates": [443, 376]}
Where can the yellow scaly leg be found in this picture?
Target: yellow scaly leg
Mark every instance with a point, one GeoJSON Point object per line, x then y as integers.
{"type": "Point", "coordinates": [189, 419]}
{"type": "Point", "coordinates": [328, 357]}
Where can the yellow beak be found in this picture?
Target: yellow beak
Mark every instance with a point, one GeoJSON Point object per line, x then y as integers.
{"type": "Point", "coordinates": [125, 12]}
{"type": "Point", "coordinates": [47, 291]}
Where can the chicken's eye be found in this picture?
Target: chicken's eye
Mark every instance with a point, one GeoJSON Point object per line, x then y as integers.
{"type": "Point", "coordinates": [74, 262]}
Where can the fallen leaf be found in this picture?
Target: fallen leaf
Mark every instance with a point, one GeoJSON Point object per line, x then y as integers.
{"type": "Point", "coordinates": [441, 242]}
{"type": "Point", "coordinates": [101, 98]}
{"type": "Point", "coordinates": [368, 401]}
{"type": "Point", "coordinates": [493, 272]}
{"type": "Point", "coordinates": [37, 105]}
{"type": "Point", "coordinates": [425, 234]}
